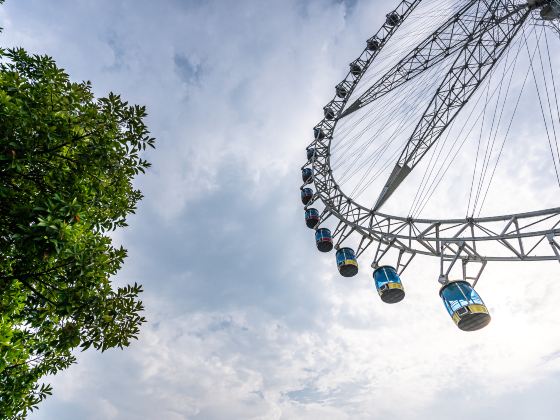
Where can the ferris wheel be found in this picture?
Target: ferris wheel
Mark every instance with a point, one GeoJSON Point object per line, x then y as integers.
{"type": "Point", "coordinates": [442, 85]}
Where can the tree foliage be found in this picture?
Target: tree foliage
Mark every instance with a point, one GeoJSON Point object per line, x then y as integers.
{"type": "Point", "coordinates": [67, 161]}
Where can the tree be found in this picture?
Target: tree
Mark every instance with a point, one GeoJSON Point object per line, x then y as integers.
{"type": "Point", "coordinates": [67, 161]}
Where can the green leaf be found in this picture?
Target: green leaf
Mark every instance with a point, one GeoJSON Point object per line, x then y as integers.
{"type": "Point", "coordinates": [67, 161]}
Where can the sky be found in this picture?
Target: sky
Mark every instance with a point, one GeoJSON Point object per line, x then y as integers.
{"type": "Point", "coordinates": [246, 319]}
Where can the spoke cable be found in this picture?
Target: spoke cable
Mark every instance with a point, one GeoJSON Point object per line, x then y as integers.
{"type": "Point", "coordinates": [526, 78]}
{"type": "Point", "coordinates": [544, 116]}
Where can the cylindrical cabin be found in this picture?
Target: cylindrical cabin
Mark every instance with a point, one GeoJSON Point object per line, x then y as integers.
{"type": "Point", "coordinates": [307, 175]}
{"type": "Point", "coordinates": [355, 69]}
{"type": "Point", "coordinates": [464, 305]}
{"type": "Point", "coordinates": [347, 262]}
{"type": "Point", "coordinates": [310, 153]}
{"type": "Point", "coordinates": [388, 284]}
{"type": "Point", "coordinates": [341, 91]}
{"type": "Point", "coordinates": [306, 195]}
{"type": "Point", "coordinates": [373, 44]}
{"type": "Point", "coordinates": [318, 133]}
{"type": "Point", "coordinates": [311, 218]}
{"type": "Point", "coordinates": [393, 19]}
{"type": "Point", "coordinates": [329, 113]}
{"type": "Point", "coordinates": [324, 240]}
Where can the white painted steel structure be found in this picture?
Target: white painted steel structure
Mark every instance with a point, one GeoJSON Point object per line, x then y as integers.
{"type": "Point", "coordinates": [478, 35]}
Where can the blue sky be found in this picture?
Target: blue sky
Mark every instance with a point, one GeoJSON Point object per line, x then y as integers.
{"type": "Point", "coordinates": [246, 320]}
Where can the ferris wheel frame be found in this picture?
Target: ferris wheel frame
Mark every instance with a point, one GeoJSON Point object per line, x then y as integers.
{"type": "Point", "coordinates": [518, 236]}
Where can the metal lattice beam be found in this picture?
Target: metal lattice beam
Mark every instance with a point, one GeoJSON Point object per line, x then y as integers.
{"type": "Point", "coordinates": [445, 41]}
{"type": "Point", "coordinates": [473, 64]}
{"type": "Point", "coordinates": [334, 108]}
{"type": "Point", "coordinates": [518, 237]}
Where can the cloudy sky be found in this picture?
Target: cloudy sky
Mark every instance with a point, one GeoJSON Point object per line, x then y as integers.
{"type": "Point", "coordinates": [246, 319]}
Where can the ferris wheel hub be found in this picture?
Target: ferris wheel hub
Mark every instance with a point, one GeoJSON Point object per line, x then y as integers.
{"type": "Point", "coordinates": [549, 9]}
{"type": "Point", "coordinates": [551, 12]}
{"type": "Point", "coordinates": [462, 243]}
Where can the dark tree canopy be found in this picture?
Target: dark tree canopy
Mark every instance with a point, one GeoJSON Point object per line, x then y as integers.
{"type": "Point", "coordinates": [67, 161]}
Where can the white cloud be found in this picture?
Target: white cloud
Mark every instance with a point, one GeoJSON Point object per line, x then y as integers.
{"type": "Point", "coordinates": [246, 319]}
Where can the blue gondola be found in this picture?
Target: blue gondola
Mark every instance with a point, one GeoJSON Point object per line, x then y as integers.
{"type": "Point", "coordinates": [311, 218]}
{"type": "Point", "coordinates": [324, 240]}
{"type": "Point", "coordinates": [393, 19]}
{"type": "Point", "coordinates": [388, 284]}
{"type": "Point", "coordinates": [373, 44]}
{"type": "Point", "coordinates": [346, 262]}
{"type": "Point", "coordinates": [318, 133]}
{"type": "Point", "coordinates": [341, 91]}
{"type": "Point", "coordinates": [306, 195]}
{"type": "Point", "coordinates": [355, 69]}
{"type": "Point", "coordinates": [465, 306]}
{"type": "Point", "coordinates": [310, 153]}
{"type": "Point", "coordinates": [329, 113]}
{"type": "Point", "coordinates": [307, 175]}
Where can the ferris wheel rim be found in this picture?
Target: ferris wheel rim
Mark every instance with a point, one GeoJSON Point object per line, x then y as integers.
{"type": "Point", "coordinates": [332, 196]}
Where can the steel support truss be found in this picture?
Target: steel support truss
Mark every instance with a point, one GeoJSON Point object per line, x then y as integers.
{"type": "Point", "coordinates": [467, 255]}
{"type": "Point", "coordinates": [445, 41]}
{"type": "Point", "coordinates": [381, 37]}
{"type": "Point", "coordinates": [515, 237]}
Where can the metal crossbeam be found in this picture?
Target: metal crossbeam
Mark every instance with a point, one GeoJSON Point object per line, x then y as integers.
{"type": "Point", "coordinates": [517, 237]}
{"type": "Point", "coordinates": [445, 41]}
{"type": "Point", "coordinates": [382, 36]}
{"type": "Point", "coordinates": [473, 64]}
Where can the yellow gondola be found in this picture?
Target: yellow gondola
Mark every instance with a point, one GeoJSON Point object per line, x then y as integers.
{"type": "Point", "coordinates": [465, 306]}
{"type": "Point", "coordinates": [388, 284]}
{"type": "Point", "coordinates": [347, 262]}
